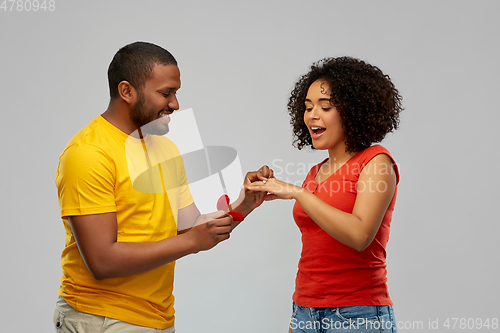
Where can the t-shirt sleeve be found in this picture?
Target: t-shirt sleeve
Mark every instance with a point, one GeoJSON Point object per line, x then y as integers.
{"type": "Point", "coordinates": [85, 181]}
{"type": "Point", "coordinates": [185, 197]}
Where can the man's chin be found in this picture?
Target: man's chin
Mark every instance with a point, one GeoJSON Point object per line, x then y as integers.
{"type": "Point", "coordinates": [155, 128]}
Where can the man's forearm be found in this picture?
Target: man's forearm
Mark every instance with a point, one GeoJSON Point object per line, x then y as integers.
{"type": "Point", "coordinates": [125, 259]}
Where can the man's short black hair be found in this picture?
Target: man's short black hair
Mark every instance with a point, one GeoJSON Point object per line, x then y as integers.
{"type": "Point", "coordinates": [134, 63]}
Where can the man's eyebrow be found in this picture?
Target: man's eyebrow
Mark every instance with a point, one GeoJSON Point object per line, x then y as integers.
{"type": "Point", "coordinates": [169, 88]}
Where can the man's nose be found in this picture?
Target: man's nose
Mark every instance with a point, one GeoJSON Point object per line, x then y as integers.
{"type": "Point", "coordinates": [173, 103]}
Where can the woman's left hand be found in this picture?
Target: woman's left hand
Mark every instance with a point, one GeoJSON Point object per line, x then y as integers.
{"type": "Point", "coordinates": [276, 189]}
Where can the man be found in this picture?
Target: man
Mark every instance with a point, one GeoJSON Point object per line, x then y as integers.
{"type": "Point", "coordinates": [122, 237]}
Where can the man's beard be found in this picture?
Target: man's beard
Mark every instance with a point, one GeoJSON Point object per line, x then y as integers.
{"type": "Point", "coordinates": [144, 119]}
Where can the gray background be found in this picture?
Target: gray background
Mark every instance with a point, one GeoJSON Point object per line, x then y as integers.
{"type": "Point", "coordinates": [238, 63]}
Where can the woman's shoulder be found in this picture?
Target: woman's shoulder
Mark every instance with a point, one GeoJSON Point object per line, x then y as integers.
{"type": "Point", "coordinates": [365, 156]}
{"type": "Point", "coordinates": [376, 149]}
{"type": "Point", "coordinates": [369, 153]}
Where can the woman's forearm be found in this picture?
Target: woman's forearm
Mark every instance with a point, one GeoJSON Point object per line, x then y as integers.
{"type": "Point", "coordinates": [344, 227]}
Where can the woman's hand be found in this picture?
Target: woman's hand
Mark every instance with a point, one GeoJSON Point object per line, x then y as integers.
{"type": "Point", "coordinates": [250, 199]}
{"type": "Point", "coordinates": [276, 189]}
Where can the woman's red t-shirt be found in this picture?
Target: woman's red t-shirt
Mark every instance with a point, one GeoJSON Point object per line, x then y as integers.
{"type": "Point", "coordinates": [331, 274]}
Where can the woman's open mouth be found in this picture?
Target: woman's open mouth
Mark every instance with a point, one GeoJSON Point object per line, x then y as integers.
{"type": "Point", "coordinates": [317, 131]}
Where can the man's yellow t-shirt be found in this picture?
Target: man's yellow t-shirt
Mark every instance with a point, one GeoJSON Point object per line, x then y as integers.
{"type": "Point", "coordinates": [143, 181]}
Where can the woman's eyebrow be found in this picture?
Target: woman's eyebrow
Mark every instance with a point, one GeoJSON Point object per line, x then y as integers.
{"type": "Point", "coordinates": [321, 99]}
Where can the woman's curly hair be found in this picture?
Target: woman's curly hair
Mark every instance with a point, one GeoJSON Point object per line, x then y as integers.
{"type": "Point", "coordinates": [366, 99]}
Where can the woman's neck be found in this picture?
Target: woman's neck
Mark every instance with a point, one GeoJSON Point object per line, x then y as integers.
{"type": "Point", "coordinates": [339, 155]}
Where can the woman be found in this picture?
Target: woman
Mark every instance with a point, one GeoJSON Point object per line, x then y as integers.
{"type": "Point", "coordinates": [344, 207]}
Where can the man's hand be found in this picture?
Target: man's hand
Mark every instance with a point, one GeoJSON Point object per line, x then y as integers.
{"type": "Point", "coordinates": [250, 199]}
{"type": "Point", "coordinates": [209, 232]}
{"type": "Point", "coordinates": [105, 257]}
{"type": "Point", "coordinates": [263, 173]}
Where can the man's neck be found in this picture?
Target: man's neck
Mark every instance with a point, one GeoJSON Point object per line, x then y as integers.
{"type": "Point", "coordinates": [118, 116]}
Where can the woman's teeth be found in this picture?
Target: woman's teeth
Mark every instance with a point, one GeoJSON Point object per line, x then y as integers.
{"type": "Point", "coordinates": [316, 129]}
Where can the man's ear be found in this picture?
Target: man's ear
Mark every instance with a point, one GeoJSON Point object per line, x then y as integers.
{"type": "Point", "coordinates": [127, 92]}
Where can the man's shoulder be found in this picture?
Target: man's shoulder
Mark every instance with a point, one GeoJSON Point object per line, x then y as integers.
{"type": "Point", "coordinates": [86, 155]}
{"type": "Point", "coordinates": [95, 136]}
{"type": "Point", "coordinates": [82, 134]}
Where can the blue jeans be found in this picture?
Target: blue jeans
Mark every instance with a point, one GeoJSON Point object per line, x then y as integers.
{"type": "Point", "coordinates": [370, 319]}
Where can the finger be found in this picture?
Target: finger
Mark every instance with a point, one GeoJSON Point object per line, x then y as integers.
{"type": "Point", "coordinates": [271, 197]}
{"type": "Point", "coordinates": [264, 171]}
{"type": "Point", "coordinates": [255, 187]}
{"type": "Point", "coordinates": [224, 230]}
{"type": "Point", "coordinates": [221, 238]}
{"type": "Point", "coordinates": [263, 178]}
{"type": "Point", "coordinates": [264, 168]}
{"type": "Point", "coordinates": [252, 189]}
{"type": "Point", "coordinates": [267, 172]}
{"type": "Point", "coordinates": [233, 225]}
{"type": "Point", "coordinates": [215, 215]}
{"type": "Point", "coordinates": [253, 176]}
{"type": "Point", "coordinates": [223, 221]}
{"type": "Point", "coordinates": [256, 183]}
